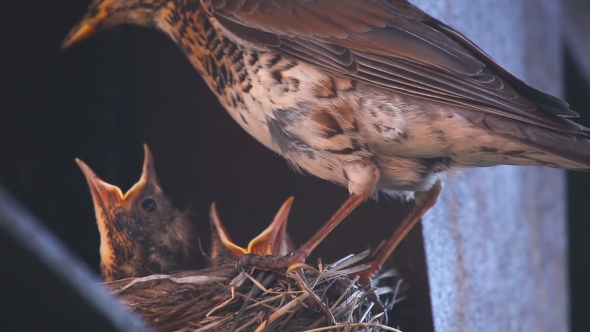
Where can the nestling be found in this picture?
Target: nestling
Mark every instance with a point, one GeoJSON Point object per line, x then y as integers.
{"type": "Point", "coordinates": [274, 240]}
{"type": "Point", "coordinates": [141, 232]}
{"type": "Point", "coordinates": [368, 94]}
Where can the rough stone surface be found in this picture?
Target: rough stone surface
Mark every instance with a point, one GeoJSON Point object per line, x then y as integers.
{"type": "Point", "coordinates": [496, 243]}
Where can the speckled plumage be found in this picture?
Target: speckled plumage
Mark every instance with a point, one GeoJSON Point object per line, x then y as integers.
{"type": "Point", "coordinates": [364, 93]}
{"type": "Point", "coordinates": [141, 232]}
{"type": "Point", "coordinates": [344, 130]}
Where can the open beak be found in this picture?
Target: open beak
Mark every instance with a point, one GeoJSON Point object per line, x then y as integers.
{"type": "Point", "coordinates": [104, 195]}
{"type": "Point", "coordinates": [274, 240]}
{"type": "Point", "coordinates": [105, 198]}
{"type": "Point", "coordinates": [88, 26]}
{"type": "Point", "coordinates": [148, 175]}
{"type": "Point", "coordinates": [221, 243]}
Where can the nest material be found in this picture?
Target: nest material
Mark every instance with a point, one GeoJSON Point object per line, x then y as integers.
{"type": "Point", "coordinates": [221, 299]}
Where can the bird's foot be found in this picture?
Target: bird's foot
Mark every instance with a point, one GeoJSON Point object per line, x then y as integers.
{"type": "Point", "coordinates": [366, 280]}
{"type": "Point", "coordinates": [423, 202]}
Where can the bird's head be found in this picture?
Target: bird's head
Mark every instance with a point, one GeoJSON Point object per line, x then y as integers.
{"type": "Point", "coordinates": [140, 230]}
{"type": "Point", "coordinates": [107, 13]}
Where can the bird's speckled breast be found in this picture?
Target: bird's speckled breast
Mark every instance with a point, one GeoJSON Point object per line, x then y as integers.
{"type": "Point", "coordinates": [252, 84]}
{"type": "Point", "coordinates": [305, 114]}
{"type": "Point", "coordinates": [329, 125]}
{"type": "Point", "coordinates": [233, 73]}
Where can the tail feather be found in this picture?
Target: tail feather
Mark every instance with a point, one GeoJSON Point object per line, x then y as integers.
{"type": "Point", "coordinates": [557, 149]}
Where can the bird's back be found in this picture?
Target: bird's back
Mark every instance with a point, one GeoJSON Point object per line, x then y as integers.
{"type": "Point", "coordinates": [321, 118]}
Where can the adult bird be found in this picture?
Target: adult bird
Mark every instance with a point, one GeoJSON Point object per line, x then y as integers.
{"type": "Point", "coordinates": [369, 94]}
{"type": "Point", "coordinates": [141, 232]}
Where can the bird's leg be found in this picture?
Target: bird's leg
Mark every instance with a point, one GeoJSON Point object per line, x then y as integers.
{"type": "Point", "coordinates": [299, 256]}
{"type": "Point", "coordinates": [362, 176]}
{"type": "Point", "coordinates": [423, 201]}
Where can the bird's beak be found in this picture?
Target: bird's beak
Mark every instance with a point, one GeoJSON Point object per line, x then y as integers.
{"type": "Point", "coordinates": [221, 243]}
{"type": "Point", "coordinates": [104, 195]}
{"type": "Point", "coordinates": [274, 240]}
{"type": "Point", "coordinates": [148, 176]}
{"type": "Point", "coordinates": [88, 26]}
{"type": "Point", "coordinates": [106, 198]}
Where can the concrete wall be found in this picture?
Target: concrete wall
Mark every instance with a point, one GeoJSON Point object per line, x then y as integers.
{"type": "Point", "coordinates": [496, 243]}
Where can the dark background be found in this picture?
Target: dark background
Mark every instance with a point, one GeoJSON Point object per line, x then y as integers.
{"type": "Point", "coordinates": [101, 99]}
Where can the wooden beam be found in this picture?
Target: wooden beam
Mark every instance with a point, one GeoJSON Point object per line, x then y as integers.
{"type": "Point", "coordinates": [496, 243]}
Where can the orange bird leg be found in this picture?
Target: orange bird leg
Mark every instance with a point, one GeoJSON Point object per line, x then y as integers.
{"type": "Point", "coordinates": [423, 201]}
{"type": "Point", "coordinates": [301, 254]}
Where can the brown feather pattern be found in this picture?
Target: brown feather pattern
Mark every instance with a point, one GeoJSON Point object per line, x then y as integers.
{"type": "Point", "coordinates": [394, 45]}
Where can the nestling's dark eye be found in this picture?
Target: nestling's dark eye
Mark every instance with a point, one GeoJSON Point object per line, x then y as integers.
{"type": "Point", "coordinates": [149, 205]}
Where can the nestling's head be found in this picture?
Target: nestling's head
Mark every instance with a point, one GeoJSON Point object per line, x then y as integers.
{"type": "Point", "coordinates": [141, 232]}
{"type": "Point", "coordinates": [107, 13]}
{"type": "Point", "coordinates": [274, 240]}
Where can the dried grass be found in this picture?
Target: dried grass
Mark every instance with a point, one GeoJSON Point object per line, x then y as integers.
{"type": "Point", "coordinates": [304, 298]}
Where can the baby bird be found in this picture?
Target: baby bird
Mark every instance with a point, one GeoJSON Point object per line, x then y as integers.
{"type": "Point", "coordinates": [274, 240]}
{"type": "Point", "coordinates": [141, 232]}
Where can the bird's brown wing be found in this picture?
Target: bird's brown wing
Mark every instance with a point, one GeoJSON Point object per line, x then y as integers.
{"type": "Point", "coordinates": [392, 44]}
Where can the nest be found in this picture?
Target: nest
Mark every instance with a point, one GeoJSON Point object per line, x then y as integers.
{"type": "Point", "coordinates": [304, 298]}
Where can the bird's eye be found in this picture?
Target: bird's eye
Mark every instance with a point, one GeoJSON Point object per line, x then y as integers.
{"type": "Point", "coordinates": [149, 205]}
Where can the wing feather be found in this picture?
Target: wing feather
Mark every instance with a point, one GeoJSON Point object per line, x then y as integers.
{"type": "Point", "coordinates": [392, 44]}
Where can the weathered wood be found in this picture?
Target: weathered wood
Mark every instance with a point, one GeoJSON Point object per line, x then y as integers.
{"type": "Point", "coordinates": [496, 242]}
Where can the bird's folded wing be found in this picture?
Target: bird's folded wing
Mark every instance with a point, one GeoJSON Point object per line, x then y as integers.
{"type": "Point", "coordinates": [394, 45]}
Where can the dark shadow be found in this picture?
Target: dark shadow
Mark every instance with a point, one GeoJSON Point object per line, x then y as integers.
{"type": "Point", "coordinates": [577, 92]}
{"type": "Point", "coordinates": [102, 98]}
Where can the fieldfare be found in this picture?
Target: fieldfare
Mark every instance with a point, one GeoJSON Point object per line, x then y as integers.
{"type": "Point", "coordinates": [368, 94]}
